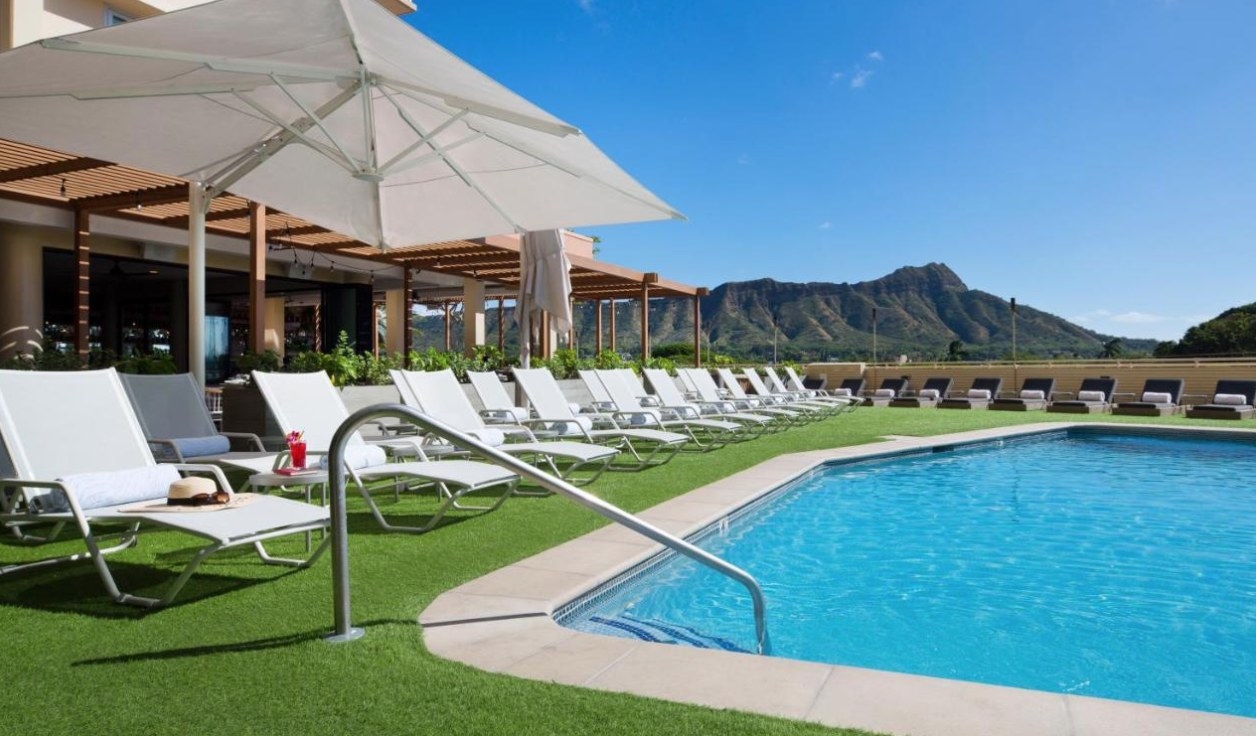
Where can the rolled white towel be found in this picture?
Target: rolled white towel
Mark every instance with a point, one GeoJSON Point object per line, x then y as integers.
{"type": "Point", "coordinates": [1230, 399]}
{"type": "Point", "coordinates": [979, 393]}
{"type": "Point", "coordinates": [929, 393]}
{"type": "Point", "coordinates": [842, 392]}
{"type": "Point", "coordinates": [1033, 395]}
{"type": "Point", "coordinates": [573, 426]}
{"type": "Point", "coordinates": [884, 393]}
{"type": "Point", "coordinates": [358, 457]}
{"type": "Point", "coordinates": [1092, 396]}
{"type": "Point", "coordinates": [1157, 397]}
{"type": "Point", "coordinates": [97, 490]}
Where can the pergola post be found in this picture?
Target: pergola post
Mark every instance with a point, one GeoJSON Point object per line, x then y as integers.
{"type": "Point", "coordinates": [697, 326]}
{"type": "Point", "coordinates": [597, 327]}
{"type": "Point", "coordinates": [645, 315]}
{"type": "Point", "coordinates": [571, 329]}
{"type": "Point", "coordinates": [82, 259]}
{"type": "Point", "coordinates": [198, 206]}
{"type": "Point", "coordinates": [547, 339]}
{"type": "Point", "coordinates": [501, 324]}
{"type": "Point", "coordinates": [257, 277]}
{"type": "Point", "coordinates": [448, 327]}
{"type": "Point", "coordinates": [407, 313]}
{"type": "Point", "coordinates": [612, 324]}
{"type": "Point", "coordinates": [473, 326]}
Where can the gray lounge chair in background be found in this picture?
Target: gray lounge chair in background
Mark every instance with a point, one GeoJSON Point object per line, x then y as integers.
{"type": "Point", "coordinates": [978, 396]}
{"type": "Point", "coordinates": [80, 457]}
{"type": "Point", "coordinates": [1094, 397]}
{"type": "Point", "coordinates": [890, 389]}
{"type": "Point", "coordinates": [1233, 399]}
{"type": "Point", "coordinates": [934, 390]}
{"type": "Point", "coordinates": [178, 426]}
{"type": "Point", "coordinates": [852, 387]}
{"type": "Point", "coordinates": [1160, 397]}
{"type": "Point", "coordinates": [1033, 396]}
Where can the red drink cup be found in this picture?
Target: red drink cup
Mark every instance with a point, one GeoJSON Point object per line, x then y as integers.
{"type": "Point", "coordinates": [297, 450]}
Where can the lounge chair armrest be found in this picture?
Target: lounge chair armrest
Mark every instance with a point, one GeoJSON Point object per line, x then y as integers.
{"type": "Point", "coordinates": [626, 416]}
{"type": "Point", "coordinates": [248, 437]}
{"type": "Point", "coordinates": [1115, 394]}
{"type": "Point", "coordinates": [683, 411]}
{"type": "Point", "coordinates": [165, 449]}
{"type": "Point", "coordinates": [498, 416]}
{"type": "Point", "coordinates": [1206, 397]}
{"type": "Point", "coordinates": [1054, 394]}
{"type": "Point", "coordinates": [213, 470]}
{"type": "Point", "coordinates": [650, 401]}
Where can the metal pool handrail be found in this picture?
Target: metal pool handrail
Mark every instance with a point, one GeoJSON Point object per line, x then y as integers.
{"type": "Point", "coordinates": [344, 630]}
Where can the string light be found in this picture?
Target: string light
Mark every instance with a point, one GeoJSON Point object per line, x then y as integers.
{"type": "Point", "coordinates": [63, 186]}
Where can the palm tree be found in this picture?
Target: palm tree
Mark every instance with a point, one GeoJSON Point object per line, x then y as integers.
{"type": "Point", "coordinates": [955, 352]}
{"type": "Point", "coordinates": [1112, 348]}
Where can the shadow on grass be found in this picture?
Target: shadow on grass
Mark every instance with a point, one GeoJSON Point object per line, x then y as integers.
{"type": "Point", "coordinates": [255, 645]}
{"type": "Point", "coordinates": [77, 588]}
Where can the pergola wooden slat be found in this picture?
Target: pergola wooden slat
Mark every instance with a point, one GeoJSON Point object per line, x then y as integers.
{"type": "Point", "coordinates": [87, 186]}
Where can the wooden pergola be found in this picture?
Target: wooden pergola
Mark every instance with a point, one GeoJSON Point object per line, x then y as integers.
{"type": "Point", "coordinates": [88, 186]}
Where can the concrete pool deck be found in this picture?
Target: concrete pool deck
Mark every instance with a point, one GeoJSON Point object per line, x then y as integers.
{"type": "Point", "coordinates": [503, 622]}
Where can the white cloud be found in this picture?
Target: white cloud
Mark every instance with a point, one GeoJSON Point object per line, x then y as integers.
{"type": "Point", "coordinates": [743, 159]}
{"type": "Point", "coordinates": [586, 6]}
{"type": "Point", "coordinates": [1137, 318]}
{"type": "Point", "coordinates": [826, 225]}
{"type": "Point", "coordinates": [875, 56]}
{"type": "Point", "coordinates": [860, 79]}
{"type": "Point", "coordinates": [837, 77]}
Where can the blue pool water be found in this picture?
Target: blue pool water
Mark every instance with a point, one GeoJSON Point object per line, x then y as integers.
{"type": "Point", "coordinates": [1112, 565]}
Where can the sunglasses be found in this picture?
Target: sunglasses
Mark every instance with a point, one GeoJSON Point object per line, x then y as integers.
{"type": "Point", "coordinates": [217, 498]}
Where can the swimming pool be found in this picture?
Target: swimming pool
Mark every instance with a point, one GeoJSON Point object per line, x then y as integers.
{"type": "Point", "coordinates": [1108, 564]}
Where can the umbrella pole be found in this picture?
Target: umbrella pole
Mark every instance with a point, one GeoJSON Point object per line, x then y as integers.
{"type": "Point", "coordinates": [198, 205]}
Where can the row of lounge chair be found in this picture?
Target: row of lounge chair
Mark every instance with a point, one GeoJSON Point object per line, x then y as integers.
{"type": "Point", "coordinates": [99, 451]}
{"type": "Point", "coordinates": [1232, 398]}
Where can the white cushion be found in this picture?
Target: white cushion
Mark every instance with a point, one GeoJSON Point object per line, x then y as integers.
{"type": "Point", "coordinates": [979, 393]}
{"type": "Point", "coordinates": [1230, 399]}
{"type": "Point", "coordinates": [1033, 395]}
{"type": "Point", "coordinates": [884, 393]}
{"type": "Point", "coordinates": [929, 393]}
{"type": "Point", "coordinates": [97, 490]}
{"type": "Point", "coordinates": [841, 392]}
{"type": "Point", "coordinates": [573, 426]}
{"type": "Point", "coordinates": [1157, 397]}
{"type": "Point", "coordinates": [1091, 396]}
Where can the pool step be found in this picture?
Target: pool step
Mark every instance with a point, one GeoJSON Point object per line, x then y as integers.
{"type": "Point", "coordinates": [659, 631]}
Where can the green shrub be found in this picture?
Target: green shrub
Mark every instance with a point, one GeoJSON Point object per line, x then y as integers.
{"type": "Point", "coordinates": [151, 365]}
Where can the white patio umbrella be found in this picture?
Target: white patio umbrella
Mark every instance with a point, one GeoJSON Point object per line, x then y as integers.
{"type": "Point", "coordinates": [544, 286]}
{"type": "Point", "coordinates": [335, 111]}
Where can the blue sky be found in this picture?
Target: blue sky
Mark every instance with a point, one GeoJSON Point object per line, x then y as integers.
{"type": "Point", "coordinates": [1092, 158]}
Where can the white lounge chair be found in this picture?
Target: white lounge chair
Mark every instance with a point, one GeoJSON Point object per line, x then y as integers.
{"type": "Point", "coordinates": [309, 403]}
{"type": "Point", "coordinates": [499, 406]}
{"type": "Point", "coordinates": [79, 456]}
{"type": "Point", "coordinates": [848, 399]}
{"type": "Point", "coordinates": [670, 396]}
{"type": "Point", "coordinates": [761, 391]}
{"type": "Point", "coordinates": [751, 404]}
{"type": "Point", "coordinates": [804, 396]}
{"type": "Point", "coordinates": [703, 433]}
{"type": "Point", "coordinates": [555, 414]}
{"type": "Point", "coordinates": [439, 395]}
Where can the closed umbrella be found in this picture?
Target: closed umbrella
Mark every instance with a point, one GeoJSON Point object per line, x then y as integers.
{"type": "Point", "coordinates": [544, 286]}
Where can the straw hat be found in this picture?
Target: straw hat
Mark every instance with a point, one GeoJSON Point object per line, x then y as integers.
{"type": "Point", "coordinates": [196, 491]}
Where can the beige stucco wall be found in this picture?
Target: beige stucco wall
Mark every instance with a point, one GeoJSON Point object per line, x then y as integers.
{"type": "Point", "coordinates": [1201, 376]}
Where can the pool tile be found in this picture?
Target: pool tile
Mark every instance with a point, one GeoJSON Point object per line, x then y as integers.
{"type": "Point", "coordinates": [456, 605]}
{"type": "Point", "coordinates": [780, 687]}
{"type": "Point", "coordinates": [930, 706]}
{"type": "Point", "coordinates": [574, 660]}
{"type": "Point", "coordinates": [1099, 717]}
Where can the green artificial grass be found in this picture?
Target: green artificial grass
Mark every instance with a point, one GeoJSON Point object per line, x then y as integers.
{"type": "Point", "coordinates": [240, 652]}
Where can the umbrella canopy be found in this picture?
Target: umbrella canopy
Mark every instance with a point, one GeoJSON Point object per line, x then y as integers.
{"type": "Point", "coordinates": [332, 110]}
{"type": "Point", "coordinates": [544, 286]}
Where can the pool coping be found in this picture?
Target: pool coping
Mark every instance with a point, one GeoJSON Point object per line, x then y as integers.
{"type": "Point", "coordinates": [502, 622]}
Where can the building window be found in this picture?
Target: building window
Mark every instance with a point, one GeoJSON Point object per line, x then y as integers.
{"type": "Point", "coordinates": [114, 18]}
